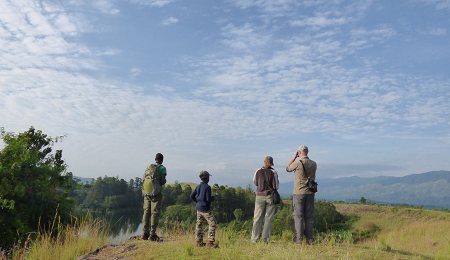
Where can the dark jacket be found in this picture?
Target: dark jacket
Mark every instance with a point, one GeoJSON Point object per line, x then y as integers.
{"type": "Point", "coordinates": [202, 196]}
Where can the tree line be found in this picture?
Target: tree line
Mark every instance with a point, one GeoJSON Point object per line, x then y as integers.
{"type": "Point", "coordinates": [36, 188]}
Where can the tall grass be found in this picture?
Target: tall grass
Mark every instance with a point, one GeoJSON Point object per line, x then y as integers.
{"type": "Point", "coordinates": [65, 242]}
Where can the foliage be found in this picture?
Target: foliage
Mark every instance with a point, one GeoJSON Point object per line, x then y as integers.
{"type": "Point", "coordinates": [34, 184]}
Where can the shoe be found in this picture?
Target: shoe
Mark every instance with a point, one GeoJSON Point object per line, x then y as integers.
{"type": "Point", "coordinates": [212, 245]}
{"type": "Point", "coordinates": [200, 244]}
{"type": "Point", "coordinates": [145, 236]}
{"type": "Point", "coordinates": [155, 238]}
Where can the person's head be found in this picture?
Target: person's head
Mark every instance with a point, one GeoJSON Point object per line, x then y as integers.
{"type": "Point", "coordinates": [302, 150]}
{"type": "Point", "coordinates": [204, 176]}
{"type": "Point", "coordinates": [268, 162]}
{"type": "Point", "coordinates": [159, 158]}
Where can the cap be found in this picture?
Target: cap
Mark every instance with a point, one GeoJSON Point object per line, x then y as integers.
{"type": "Point", "coordinates": [204, 174]}
{"type": "Point", "coordinates": [303, 148]}
{"type": "Point", "coordinates": [269, 159]}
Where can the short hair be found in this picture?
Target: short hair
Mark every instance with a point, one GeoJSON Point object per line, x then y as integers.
{"type": "Point", "coordinates": [159, 157]}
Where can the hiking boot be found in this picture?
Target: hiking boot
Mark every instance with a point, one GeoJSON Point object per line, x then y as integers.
{"type": "Point", "coordinates": [212, 245]}
{"type": "Point", "coordinates": [200, 244]}
{"type": "Point", "coordinates": [145, 236]}
{"type": "Point", "coordinates": [155, 238]}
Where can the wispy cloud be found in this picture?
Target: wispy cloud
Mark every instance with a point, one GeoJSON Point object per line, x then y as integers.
{"type": "Point", "coordinates": [319, 21]}
{"type": "Point", "coordinates": [134, 72]}
{"type": "Point", "coordinates": [438, 32]}
{"type": "Point", "coordinates": [244, 37]}
{"type": "Point", "coordinates": [156, 3]}
{"type": "Point", "coordinates": [169, 21]}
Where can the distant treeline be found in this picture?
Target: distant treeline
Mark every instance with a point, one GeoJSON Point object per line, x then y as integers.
{"type": "Point", "coordinates": [36, 191]}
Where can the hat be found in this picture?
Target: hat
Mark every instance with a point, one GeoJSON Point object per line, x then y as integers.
{"type": "Point", "coordinates": [303, 148]}
{"type": "Point", "coordinates": [269, 159]}
{"type": "Point", "coordinates": [204, 174]}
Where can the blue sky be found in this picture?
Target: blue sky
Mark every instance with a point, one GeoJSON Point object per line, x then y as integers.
{"type": "Point", "coordinates": [217, 85]}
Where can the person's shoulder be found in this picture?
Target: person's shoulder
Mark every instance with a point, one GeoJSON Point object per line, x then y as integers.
{"type": "Point", "coordinates": [259, 170]}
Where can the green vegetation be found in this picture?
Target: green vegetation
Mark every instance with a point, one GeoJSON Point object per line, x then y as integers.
{"type": "Point", "coordinates": [34, 185]}
{"type": "Point", "coordinates": [41, 206]}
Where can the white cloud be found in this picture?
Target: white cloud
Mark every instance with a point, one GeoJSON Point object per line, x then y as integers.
{"type": "Point", "coordinates": [270, 6]}
{"type": "Point", "coordinates": [134, 72]}
{"type": "Point", "coordinates": [439, 4]}
{"type": "Point", "coordinates": [169, 21]}
{"type": "Point", "coordinates": [438, 32]}
{"type": "Point", "coordinates": [105, 6]}
{"type": "Point", "coordinates": [156, 3]}
{"type": "Point", "coordinates": [244, 37]}
{"type": "Point", "coordinates": [319, 21]}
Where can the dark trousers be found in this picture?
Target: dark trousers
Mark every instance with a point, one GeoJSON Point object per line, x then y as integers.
{"type": "Point", "coordinates": [303, 217]}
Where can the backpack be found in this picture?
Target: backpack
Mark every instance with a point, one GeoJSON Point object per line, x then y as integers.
{"type": "Point", "coordinates": [151, 185]}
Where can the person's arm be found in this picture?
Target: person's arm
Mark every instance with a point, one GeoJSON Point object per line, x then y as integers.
{"type": "Point", "coordinates": [276, 182]}
{"type": "Point", "coordinates": [208, 194]}
{"type": "Point", "coordinates": [194, 195]}
{"type": "Point", "coordinates": [292, 165]}
{"type": "Point", "coordinates": [254, 178]}
{"type": "Point", "coordinates": [163, 180]}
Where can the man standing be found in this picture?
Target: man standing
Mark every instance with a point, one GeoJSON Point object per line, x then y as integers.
{"type": "Point", "coordinates": [303, 198]}
{"type": "Point", "coordinates": [266, 181]}
{"type": "Point", "coordinates": [154, 179]}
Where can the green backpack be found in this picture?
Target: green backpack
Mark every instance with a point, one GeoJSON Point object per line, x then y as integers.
{"type": "Point", "coordinates": [152, 186]}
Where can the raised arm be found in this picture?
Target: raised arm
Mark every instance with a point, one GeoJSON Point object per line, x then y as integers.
{"type": "Point", "coordinates": [292, 165]}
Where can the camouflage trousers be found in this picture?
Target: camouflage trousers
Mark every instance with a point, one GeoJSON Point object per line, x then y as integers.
{"type": "Point", "coordinates": [203, 217]}
{"type": "Point", "coordinates": [150, 219]}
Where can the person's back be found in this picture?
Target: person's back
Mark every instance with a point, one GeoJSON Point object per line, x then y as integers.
{"type": "Point", "coordinates": [266, 181]}
{"type": "Point", "coordinates": [203, 198]}
{"type": "Point", "coordinates": [303, 197]}
{"type": "Point", "coordinates": [154, 179]}
{"type": "Point", "coordinates": [301, 177]}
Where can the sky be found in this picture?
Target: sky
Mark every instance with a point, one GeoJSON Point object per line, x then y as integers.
{"type": "Point", "coordinates": [218, 85]}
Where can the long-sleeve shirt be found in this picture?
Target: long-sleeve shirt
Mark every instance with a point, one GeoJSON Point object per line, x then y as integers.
{"type": "Point", "coordinates": [301, 176]}
{"type": "Point", "coordinates": [202, 196]}
{"type": "Point", "coordinates": [266, 180]}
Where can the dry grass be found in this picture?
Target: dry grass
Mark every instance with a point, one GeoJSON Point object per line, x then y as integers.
{"type": "Point", "coordinates": [67, 242]}
{"type": "Point", "coordinates": [401, 233]}
{"type": "Point", "coordinates": [416, 231]}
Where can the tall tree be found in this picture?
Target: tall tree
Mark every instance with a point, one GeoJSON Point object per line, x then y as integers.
{"type": "Point", "coordinates": [34, 184]}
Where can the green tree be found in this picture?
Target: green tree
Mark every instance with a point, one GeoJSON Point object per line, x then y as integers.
{"type": "Point", "coordinates": [34, 184]}
{"type": "Point", "coordinates": [363, 200]}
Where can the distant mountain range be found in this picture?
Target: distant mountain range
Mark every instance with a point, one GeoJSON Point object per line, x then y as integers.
{"type": "Point", "coordinates": [430, 189]}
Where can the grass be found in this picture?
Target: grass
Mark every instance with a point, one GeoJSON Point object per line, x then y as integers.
{"type": "Point", "coordinates": [376, 232]}
{"type": "Point", "coordinates": [67, 242]}
{"type": "Point", "coordinates": [417, 231]}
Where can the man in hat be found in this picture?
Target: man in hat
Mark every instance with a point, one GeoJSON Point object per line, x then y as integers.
{"type": "Point", "coordinates": [203, 198]}
{"type": "Point", "coordinates": [266, 181]}
{"type": "Point", "coordinates": [303, 198]}
{"type": "Point", "coordinates": [154, 179]}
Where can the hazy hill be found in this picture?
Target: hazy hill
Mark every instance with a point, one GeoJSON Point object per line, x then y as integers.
{"type": "Point", "coordinates": [430, 189]}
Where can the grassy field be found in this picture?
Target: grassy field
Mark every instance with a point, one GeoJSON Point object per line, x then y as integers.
{"type": "Point", "coordinates": [377, 232]}
{"type": "Point", "coordinates": [405, 230]}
